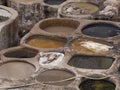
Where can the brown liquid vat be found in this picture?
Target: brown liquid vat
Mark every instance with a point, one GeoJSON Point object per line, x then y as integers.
{"type": "Point", "coordinates": [90, 46]}
{"type": "Point", "coordinates": [56, 77]}
{"type": "Point", "coordinates": [59, 26]}
{"type": "Point", "coordinates": [16, 70]}
{"type": "Point", "coordinates": [45, 42]}
{"type": "Point", "coordinates": [19, 52]}
{"type": "Point", "coordinates": [79, 9]}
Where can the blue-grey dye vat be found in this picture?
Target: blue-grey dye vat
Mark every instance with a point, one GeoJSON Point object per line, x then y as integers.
{"type": "Point", "coordinates": [54, 2]}
{"type": "Point", "coordinates": [102, 30]}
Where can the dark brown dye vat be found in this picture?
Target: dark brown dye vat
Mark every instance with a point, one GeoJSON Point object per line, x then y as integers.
{"type": "Point", "coordinates": [54, 2]}
{"type": "Point", "coordinates": [54, 76]}
{"type": "Point", "coordinates": [21, 53]}
{"type": "Point", "coordinates": [60, 26]}
{"type": "Point", "coordinates": [102, 30]}
{"type": "Point", "coordinates": [16, 70]}
{"type": "Point", "coordinates": [91, 62]}
{"type": "Point", "coordinates": [91, 84]}
{"type": "Point", "coordinates": [46, 41]}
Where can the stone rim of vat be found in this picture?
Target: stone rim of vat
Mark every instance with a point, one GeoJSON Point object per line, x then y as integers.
{"type": "Point", "coordinates": [13, 16]}
{"type": "Point", "coordinates": [109, 79]}
{"type": "Point", "coordinates": [52, 82]}
{"type": "Point", "coordinates": [40, 26]}
{"type": "Point", "coordinates": [87, 16]}
{"type": "Point", "coordinates": [27, 36]}
{"type": "Point", "coordinates": [7, 53]}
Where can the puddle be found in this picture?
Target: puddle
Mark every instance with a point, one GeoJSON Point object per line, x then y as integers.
{"type": "Point", "coordinates": [53, 77]}
{"type": "Point", "coordinates": [91, 62]}
{"type": "Point", "coordinates": [90, 45]}
{"type": "Point", "coordinates": [21, 53]}
{"type": "Point", "coordinates": [59, 26]}
{"type": "Point", "coordinates": [4, 15]}
{"type": "Point", "coordinates": [79, 8]}
{"type": "Point", "coordinates": [50, 59]}
{"type": "Point", "coordinates": [97, 85]}
{"type": "Point", "coordinates": [54, 2]}
{"type": "Point", "coordinates": [46, 41]}
{"type": "Point", "coordinates": [102, 30]}
{"type": "Point", "coordinates": [16, 70]}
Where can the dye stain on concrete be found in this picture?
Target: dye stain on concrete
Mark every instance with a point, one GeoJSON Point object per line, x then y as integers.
{"type": "Point", "coordinates": [4, 15]}
{"type": "Point", "coordinates": [55, 76]}
{"type": "Point", "coordinates": [91, 62]}
{"type": "Point", "coordinates": [97, 85]}
{"type": "Point", "coordinates": [46, 41]}
{"type": "Point", "coordinates": [21, 53]}
{"type": "Point", "coordinates": [79, 8]}
{"type": "Point", "coordinates": [54, 2]}
{"type": "Point", "coordinates": [16, 70]}
{"type": "Point", "coordinates": [102, 30]}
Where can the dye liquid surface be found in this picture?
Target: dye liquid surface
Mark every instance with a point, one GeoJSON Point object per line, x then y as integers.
{"type": "Point", "coordinates": [4, 15]}
{"type": "Point", "coordinates": [97, 85]}
{"type": "Point", "coordinates": [55, 75]}
{"type": "Point", "coordinates": [91, 62]}
{"type": "Point", "coordinates": [80, 8]}
{"type": "Point", "coordinates": [101, 30]}
{"type": "Point", "coordinates": [16, 70]}
{"type": "Point", "coordinates": [21, 53]}
{"type": "Point", "coordinates": [90, 46]}
{"type": "Point", "coordinates": [54, 2]}
{"type": "Point", "coordinates": [46, 42]}
{"type": "Point", "coordinates": [60, 29]}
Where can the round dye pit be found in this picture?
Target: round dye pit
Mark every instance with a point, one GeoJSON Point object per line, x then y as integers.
{"type": "Point", "coordinates": [90, 45]}
{"type": "Point", "coordinates": [59, 26]}
{"type": "Point", "coordinates": [54, 76]}
{"type": "Point", "coordinates": [46, 41]}
{"type": "Point", "coordinates": [21, 53]}
{"type": "Point", "coordinates": [102, 30]}
{"type": "Point", "coordinates": [79, 8]}
{"type": "Point", "coordinates": [97, 85]}
{"type": "Point", "coordinates": [4, 15]}
{"type": "Point", "coordinates": [91, 62]}
{"type": "Point", "coordinates": [16, 70]}
{"type": "Point", "coordinates": [54, 2]}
